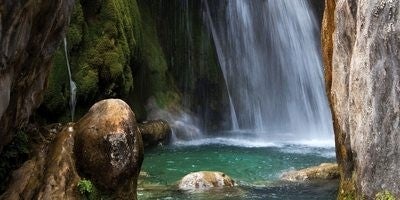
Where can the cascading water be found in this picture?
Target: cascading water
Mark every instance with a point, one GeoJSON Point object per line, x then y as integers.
{"type": "Point", "coordinates": [73, 88]}
{"type": "Point", "coordinates": [269, 54]}
{"type": "Point", "coordinates": [269, 58]}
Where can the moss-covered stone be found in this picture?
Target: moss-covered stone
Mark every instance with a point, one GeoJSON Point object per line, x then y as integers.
{"type": "Point", "coordinates": [102, 43]}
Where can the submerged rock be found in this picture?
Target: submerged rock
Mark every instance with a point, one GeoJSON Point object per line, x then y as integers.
{"type": "Point", "coordinates": [154, 132]}
{"type": "Point", "coordinates": [325, 171]}
{"type": "Point", "coordinates": [109, 148]}
{"type": "Point", "coordinates": [205, 180]}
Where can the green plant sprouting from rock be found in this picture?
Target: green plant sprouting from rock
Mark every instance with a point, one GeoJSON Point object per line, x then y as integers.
{"type": "Point", "coordinates": [87, 189]}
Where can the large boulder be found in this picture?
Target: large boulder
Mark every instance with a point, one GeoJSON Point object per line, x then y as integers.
{"type": "Point", "coordinates": [30, 33]}
{"type": "Point", "coordinates": [325, 171]}
{"type": "Point", "coordinates": [205, 180]}
{"type": "Point", "coordinates": [109, 148]}
{"type": "Point", "coordinates": [361, 44]}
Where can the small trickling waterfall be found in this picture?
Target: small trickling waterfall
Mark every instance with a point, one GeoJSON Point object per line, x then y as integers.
{"type": "Point", "coordinates": [73, 88]}
{"type": "Point", "coordinates": [269, 54]}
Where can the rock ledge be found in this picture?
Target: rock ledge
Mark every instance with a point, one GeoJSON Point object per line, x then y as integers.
{"type": "Point", "coordinates": [325, 171]}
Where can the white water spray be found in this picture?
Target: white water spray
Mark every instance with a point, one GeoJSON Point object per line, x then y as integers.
{"type": "Point", "coordinates": [269, 54]}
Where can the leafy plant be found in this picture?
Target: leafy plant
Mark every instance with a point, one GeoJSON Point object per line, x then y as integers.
{"type": "Point", "coordinates": [88, 189]}
{"type": "Point", "coordinates": [85, 186]}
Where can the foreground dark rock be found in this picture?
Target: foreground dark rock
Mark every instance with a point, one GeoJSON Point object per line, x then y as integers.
{"type": "Point", "coordinates": [205, 180]}
{"type": "Point", "coordinates": [50, 174]}
{"type": "Point", "coordinates": [155, 132]}
{"type": "Point", "coordinates": [105, 147]}
{"type": "Point", "coordinates": [325, 171]}
{"type": "Point", "coordinates": [109, 148]}
{"type": "Point", "coordinates": [30, 32]}
{"type": "Point", "coordinates": [363, 78]}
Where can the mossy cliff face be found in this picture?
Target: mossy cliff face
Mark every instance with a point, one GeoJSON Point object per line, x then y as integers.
{"type": "Point", "coordinates": [102, 42]}
{"type": "Point", "coordinates": [115, 51]}
{"type": "Point", "coordinates": [30, 32]}
{"type": "Point", "coordinates": [137, 50]}
{"type": "Point", "coordinates": [361, 51]}
{"type": "Point", "coordinates": [191, 58]}
{"type": "Point", "coordinates": [151, 76]}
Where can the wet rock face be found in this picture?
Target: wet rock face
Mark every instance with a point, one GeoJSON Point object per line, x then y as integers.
{"type": "Point", "coordinates": [108, 146]}
{"type": "Point", "coordinates": [50, 174]}
{"type": "Point", "coordinates": [30, 32]}
{"type": "Point", "coordinates": [365, 95]}
{"type": "Point", "coordinates": [205, 180]}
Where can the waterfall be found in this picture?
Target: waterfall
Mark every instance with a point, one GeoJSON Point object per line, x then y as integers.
{"type": "Point", "coordinates": [73, 88]}
{"type": "Point", "coordinates": [269, 54]}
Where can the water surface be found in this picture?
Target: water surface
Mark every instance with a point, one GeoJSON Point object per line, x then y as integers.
{"type": "Point", "coordinates": [255, 168]}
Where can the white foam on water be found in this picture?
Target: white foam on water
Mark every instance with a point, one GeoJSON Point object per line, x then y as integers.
{"type": "Point", "coordinates": [228, 142]}
{"type": "Point", "coordinates": [256, 142]}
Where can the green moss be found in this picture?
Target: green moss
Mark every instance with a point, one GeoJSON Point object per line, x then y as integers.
{"type": "Point", "coordinates": [87, 81]}
{"type": "Point", "coordinates": [155, 75]}
{"type": "Point", "coordinates": [56, 98]}
{"type": "Point", "coordinates": [102, 43]}
{"type": "Point", "coordinates": [134, 51]}
{"type": "Point", "coordinates": [75, 30]}
{"type": "Point", "coordinates": [385, 195]}
{"type": "Point", "coordinates": [165, 99]}
{"type": "Point", "coordinates": [192, 69]}
{"type": "Point", "coordinates": [88, 190]}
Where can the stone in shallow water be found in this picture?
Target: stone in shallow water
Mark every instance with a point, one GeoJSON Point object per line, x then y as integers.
{"type": "Point", "coordinates": [205, 180]}
{"type": "Point", "coordinates": [325, 171]}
